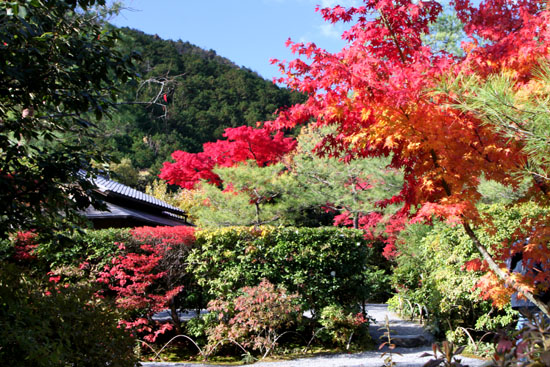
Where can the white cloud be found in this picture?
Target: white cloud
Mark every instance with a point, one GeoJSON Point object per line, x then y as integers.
{"type": "Point", "coordinates": [328, 3]}
{"type": "Point", "coordinates": [344, 3]}
{"type": "Point", "coordinates": [304, 39]}
{"type": "Point", "coordinates": [330, 30]}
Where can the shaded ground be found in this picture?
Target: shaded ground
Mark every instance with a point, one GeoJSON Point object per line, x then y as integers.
{"type": "Point", "coordinates": [409, 357]}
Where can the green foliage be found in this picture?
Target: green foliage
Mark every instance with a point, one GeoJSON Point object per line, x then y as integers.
{"type": "Point", "coordinates": [494, 192]}
{"type": "Point", "coordinates": [325, 266]}
{"type": "Point", "coordinates": [481, 345]}
{"type": "Point", "coordinates": [430, 273]}
{"type": "Point", "coordinates": [97, 247]}
{"type": "Point", "coordinates": [42, 325]}
{"type": "Point", "coordinates": [342, 326]}
{"type": "Point", "coordinates": [446, 34]}
{"type": "Point", "coordinates": [430, 270]}
{"type": "Point", "coordinates": [59, 74]}
{"type": "Point", "coordinates": [354, 187]}
{"type": "Point", "coordinates": [197, 327]}
{"type": "Point", "coordinates": [125, 172]}
{"type": "Point", "coordinates": [255, 196]}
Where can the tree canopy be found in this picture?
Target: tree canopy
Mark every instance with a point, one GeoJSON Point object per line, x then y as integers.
{"type": "Point", "coordinates": [197, 95]}
{"type": "Point", "coordinates": [242, 143]}
{"type": "Point", "coordinates": [382, 95]}
{"type": "Point", "coordinates": [59, 74]}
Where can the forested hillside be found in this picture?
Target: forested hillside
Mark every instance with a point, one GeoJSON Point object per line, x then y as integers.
{"type": "Point", "coordinates": [204, 93]}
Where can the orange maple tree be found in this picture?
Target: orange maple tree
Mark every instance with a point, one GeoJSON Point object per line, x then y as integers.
{"type": "Point", "coordinates": [379, 93]}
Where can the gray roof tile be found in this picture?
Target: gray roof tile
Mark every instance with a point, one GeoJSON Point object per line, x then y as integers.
{"type": "Point", "coordinates": [106, 185]}
{"type": "Point", "coordinates": [115, 211]}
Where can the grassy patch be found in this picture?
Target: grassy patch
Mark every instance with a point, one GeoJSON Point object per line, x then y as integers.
{"type": "Point", "coordinates": [183, 354]}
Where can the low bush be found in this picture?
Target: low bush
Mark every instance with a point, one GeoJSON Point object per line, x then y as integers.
{"type": "Point", "coordinates": [43, 324]}
{"type": "Point", "coordinates": [340, 327]}
{"type": "Point", "coordinates": [256, 318]}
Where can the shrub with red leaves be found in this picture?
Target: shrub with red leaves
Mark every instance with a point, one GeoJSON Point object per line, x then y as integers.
{"type": "Point", "coordinates": [25, 246]}
{"type": "Point", "coordinates": [166, 235]}
{"type": "Point", "coordinates": [142, 280]}
{"type": "Point", "coordinates": [256, 318]}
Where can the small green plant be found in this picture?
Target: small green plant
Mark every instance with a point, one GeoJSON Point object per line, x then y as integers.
{"type": "Point", "coordinates": [446, 357]}
{"type": "Point", "coordinates": [388, 360]}
{"type": "Point", "coordinates": [248, 358]}
{"type": "Point", "coordinates": [480, 346]}
{"type": "Point", "coordinates": [342, 326]}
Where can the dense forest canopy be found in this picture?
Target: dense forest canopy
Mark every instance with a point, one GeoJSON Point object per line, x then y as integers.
{"type": "Point", "coordinates": [199, 94]}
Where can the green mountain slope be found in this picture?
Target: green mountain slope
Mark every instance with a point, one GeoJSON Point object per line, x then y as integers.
{"type": "Point", "coordinates": [205, 93]}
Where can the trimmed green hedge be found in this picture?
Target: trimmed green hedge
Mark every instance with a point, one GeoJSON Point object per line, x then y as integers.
{"type": "Point", "coordinates": [96, 246]}
{"type": "Point", "coordinates": [324, 265]}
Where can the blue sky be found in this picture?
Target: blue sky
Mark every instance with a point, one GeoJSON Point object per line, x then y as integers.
{"type": "Point", "coordinates": [247, 32]}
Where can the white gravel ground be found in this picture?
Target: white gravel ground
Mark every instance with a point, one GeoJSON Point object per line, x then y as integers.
{"type": "Point", "coordinates": [407, 357]}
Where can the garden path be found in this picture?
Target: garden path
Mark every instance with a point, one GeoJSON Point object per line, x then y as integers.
{"type": "Point", "coordinates": [407, 331]}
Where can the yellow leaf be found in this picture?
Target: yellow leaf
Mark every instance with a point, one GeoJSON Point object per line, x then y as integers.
{"type": "Point", "coordinates": [365, 114]}
{"type": "Point", "coordinates": [389, 143]}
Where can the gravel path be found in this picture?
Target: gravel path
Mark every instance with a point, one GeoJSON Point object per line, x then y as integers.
{"type": "Point", "coordinates": [409, 357]}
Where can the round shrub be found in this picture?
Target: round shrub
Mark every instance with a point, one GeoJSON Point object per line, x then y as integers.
{"type": "Point", "coordinates": [45, 325]}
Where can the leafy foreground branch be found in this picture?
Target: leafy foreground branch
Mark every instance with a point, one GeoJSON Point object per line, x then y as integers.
{"type": "Point", "coordinates": [60, 74]}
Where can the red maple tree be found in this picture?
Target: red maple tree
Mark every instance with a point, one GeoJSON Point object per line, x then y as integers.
{"type": "Point", "coordinates": [243, 143]}
{"type": "Point", "coordinates": [379, 93]}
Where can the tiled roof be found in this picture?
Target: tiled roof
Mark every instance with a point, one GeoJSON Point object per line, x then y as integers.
{"type": "Point", "coordinates": [115, 211]}
{"type": "Point", "coordinates": [109, 186]}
